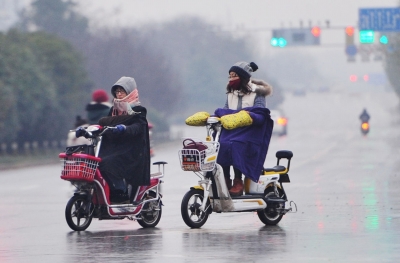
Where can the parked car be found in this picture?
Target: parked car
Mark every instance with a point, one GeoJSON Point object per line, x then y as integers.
{"type": "Point", "coordinates": [280, 122]}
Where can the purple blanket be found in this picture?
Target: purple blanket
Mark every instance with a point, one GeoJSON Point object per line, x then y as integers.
{"type": "Point", "coordinates": [246, 148]}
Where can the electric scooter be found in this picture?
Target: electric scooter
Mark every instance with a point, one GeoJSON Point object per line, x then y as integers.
{"type": "Point", "coordinates": [267, 197]}
{"type": "Point", "coordinates": [92, 196]}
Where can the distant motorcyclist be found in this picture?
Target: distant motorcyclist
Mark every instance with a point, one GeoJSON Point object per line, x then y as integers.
{"type": "Point", "coordinates": [364, 116]}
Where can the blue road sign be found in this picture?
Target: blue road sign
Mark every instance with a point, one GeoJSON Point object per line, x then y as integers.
{"type": "Point", "coordinates": [351, 50]}
{"type": "Point", "coordinates": [379, 19]}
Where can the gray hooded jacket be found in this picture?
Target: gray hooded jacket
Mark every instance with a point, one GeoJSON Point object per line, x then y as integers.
{"type": "Point", "coordinates": [127, 83]}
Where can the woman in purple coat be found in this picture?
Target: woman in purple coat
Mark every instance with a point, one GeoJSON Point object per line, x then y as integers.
{"type": "Point", "coordinates": [244, 93]}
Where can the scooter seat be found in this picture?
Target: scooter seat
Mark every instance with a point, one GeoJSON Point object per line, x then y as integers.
{"type": "Point", "coordinates": [155, 174]}
{"type": "Point", "coordinates": [276, 169]}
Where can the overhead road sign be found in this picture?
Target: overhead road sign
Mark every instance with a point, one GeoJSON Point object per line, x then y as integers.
{"type": "Point", "coordinates": [296, 36]}
{"type": "Point", "coordinates": [367, 36]}
{"type": "Point", "coordinates": [379, 19]}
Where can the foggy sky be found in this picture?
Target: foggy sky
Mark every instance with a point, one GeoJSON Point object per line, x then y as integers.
{"type": "Point", "coordinates": [238, 16]}
{"type": "Point", "coordinates": [232, 13]}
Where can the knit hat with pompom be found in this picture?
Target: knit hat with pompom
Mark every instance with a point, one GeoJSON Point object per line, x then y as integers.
{"type": "Point", "coordinates": [244, 69]}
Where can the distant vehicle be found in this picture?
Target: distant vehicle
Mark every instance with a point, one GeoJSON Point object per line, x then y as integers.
{"type": "Point", "coordinates": [299, 92]}
{"type": "Point", "coordinates": [280, 122]}
{"type": "Point", "coordinates": [364, 117]}
{"type": "Point", "coordinates": [365, 128]}
{"type": "Point", "coordinates": [323, 89]}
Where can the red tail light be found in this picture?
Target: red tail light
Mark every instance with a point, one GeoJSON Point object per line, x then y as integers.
{"type": "Point", "coordinates": [282, 121]}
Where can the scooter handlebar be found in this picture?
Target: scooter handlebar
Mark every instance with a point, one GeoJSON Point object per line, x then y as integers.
{"type": "Point", "coordinates": [92, 131]}
{"type": "Point", "coordinates": [107, 129]}
{"type": "Point", "coordinates": [213, 119]}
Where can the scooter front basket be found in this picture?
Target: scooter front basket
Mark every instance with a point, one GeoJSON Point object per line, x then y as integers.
{"type": "Point", "coordinates": [78, 167]}
{"type": "Point", "coordinates": [199, 160]}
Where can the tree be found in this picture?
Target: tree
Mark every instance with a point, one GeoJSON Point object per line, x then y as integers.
{"type": "Point", "coordinates": [178, 65]}
{"type": "Point", "coordinates": [201, 55]}
{"type": "Point", "coordinates": [56, 17]}
{"type": "Point", "coordinates": [42, 77]}
{"type": "Point", "coordinates": [69, 80]}
{"type": "Point", "coordinates": [8, 114]}
{"type": "Point", "coordinates": [111, 55]}
{"type": "Point", "coordinates": [108, 55]}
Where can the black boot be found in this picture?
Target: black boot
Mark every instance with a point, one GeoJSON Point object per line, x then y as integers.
{"type": "Point", "coordinates": [119, 196]}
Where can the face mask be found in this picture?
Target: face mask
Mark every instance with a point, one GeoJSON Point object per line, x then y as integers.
{"type": "Point", "coordinates": [234, 84]}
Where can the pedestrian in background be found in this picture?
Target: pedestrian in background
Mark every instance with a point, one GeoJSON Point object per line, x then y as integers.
{"type": "Point", "coordinates": [99, 107]}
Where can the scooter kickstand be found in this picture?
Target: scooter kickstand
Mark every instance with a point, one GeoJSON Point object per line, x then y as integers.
{"type": "Point", "coordinates": [290, 204]}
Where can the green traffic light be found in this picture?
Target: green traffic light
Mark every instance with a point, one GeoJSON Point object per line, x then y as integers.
{"type": "Point", "coordinates": [278, 42]}
{"type": "Point", "coordinates": [384, 40]}
{"type": "Point", "coordinates": [282, 42]}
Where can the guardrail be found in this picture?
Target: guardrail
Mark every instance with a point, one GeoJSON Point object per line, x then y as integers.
{"type": "Point", "coordinates": [33, 147]}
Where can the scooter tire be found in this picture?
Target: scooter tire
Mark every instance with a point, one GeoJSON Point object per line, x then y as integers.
{"type": "Point", "coordinates": [76, 210]}
{"type": "Point", "coordinates": [151, 213]}
{"type": "Point", "coordinates": [268, 216]}
{"type": "Point", "coordinates": [191, 214]}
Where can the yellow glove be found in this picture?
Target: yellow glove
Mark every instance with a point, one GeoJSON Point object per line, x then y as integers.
{"type": "Point", "coordinates": [198, 119]}
{"type": "Point", "coordinates": [236, 120]}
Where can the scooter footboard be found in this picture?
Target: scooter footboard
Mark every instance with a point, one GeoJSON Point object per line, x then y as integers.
{"type": "Point", "coordinates": [248, 203]}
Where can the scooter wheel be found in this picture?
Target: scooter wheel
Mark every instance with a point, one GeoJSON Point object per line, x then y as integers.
{"type": "Point", "coordinates": [269, 216]}
{"type": "Point", "coordinates": [151, 212]}
{"type": "Point", "coordinates": [190, 209]}
{"type": "Point", "coordinates": [78, 213]}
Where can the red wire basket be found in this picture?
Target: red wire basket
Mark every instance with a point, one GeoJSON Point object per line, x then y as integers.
{"type": "Point", "coordinates": [79, 167]}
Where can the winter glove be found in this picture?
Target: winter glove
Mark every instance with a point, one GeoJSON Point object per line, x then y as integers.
{"type": "Point", "coordinates": [236, 120]}
{"type": "Point", "coordinates": [198, 119]}
{"type": "Point", "coordinates": [119, 129]}
{"type": "Point", "coordinates": [80, 131]}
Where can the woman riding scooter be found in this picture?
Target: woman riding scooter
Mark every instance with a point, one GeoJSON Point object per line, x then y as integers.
{"type": "Point", "coordinates": [126, 153]}
{"type": "Point", "coordinates": [242, 92]}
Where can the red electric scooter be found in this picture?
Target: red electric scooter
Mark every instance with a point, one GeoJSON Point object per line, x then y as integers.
{"type": "Point", "coordinates": [92, 197]}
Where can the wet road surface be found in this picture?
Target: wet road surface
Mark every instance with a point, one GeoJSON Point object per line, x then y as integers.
{"type": "Point", "coordinates": [346, 187]}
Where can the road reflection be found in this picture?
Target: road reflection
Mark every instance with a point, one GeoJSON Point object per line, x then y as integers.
{"type": "Point", "coordinates": [235, 246]}
{"type": "Point", "coordinates": [115, 245]}
{"type": "Point", "coordinates": [152, 245]}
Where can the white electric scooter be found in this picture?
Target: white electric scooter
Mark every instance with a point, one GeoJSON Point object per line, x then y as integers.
{"type": "Point", "coordinates": [267, 196]}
